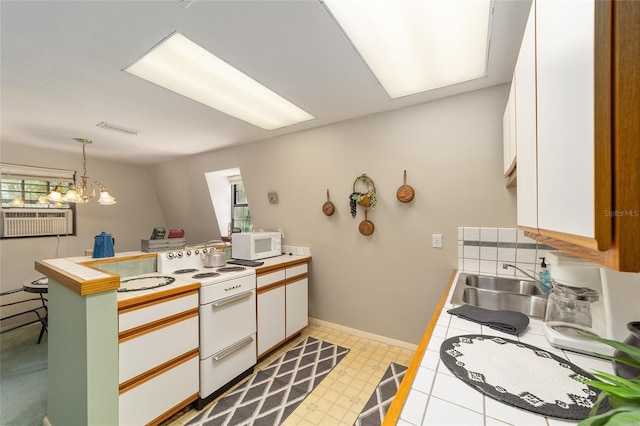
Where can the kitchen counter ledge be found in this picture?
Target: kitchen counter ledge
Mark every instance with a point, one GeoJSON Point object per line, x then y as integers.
{"type": "Point", "coordinates": [78, 275]}
{"type": "Point", "coordinates": [429, 394]}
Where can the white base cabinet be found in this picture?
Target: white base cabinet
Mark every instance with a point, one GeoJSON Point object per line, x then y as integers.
{"type": "Point", "coordinates": [158, 356]}
{"type": "Point", "coordinates": [297, 306]}
{"type": "Point", "coordinates": [271, 318]}
{"type": "Point", "coordinates": [283, 305]}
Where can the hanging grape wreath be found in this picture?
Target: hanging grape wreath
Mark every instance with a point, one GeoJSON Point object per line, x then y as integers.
{"type": "Point", "coordinates": [364, 194]}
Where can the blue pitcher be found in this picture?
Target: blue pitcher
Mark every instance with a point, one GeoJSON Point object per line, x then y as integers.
{"type": "Point", "coordinates": [103, 245]}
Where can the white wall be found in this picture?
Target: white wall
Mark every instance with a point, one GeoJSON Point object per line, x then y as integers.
{"type": "Point", "coordinates": [390, 282]}
{"type": "Point", "coordinates": [130, 220]}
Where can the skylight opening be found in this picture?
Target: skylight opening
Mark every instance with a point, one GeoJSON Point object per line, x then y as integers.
{"type": "Point", "coordinates": [415, 46]}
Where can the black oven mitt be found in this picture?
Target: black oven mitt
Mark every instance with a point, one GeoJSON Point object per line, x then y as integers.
{"type": "Point", "coordinates": [510, 322]}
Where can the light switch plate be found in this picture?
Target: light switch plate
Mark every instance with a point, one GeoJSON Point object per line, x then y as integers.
{"type": "Point", "coordinates": [436, 240]}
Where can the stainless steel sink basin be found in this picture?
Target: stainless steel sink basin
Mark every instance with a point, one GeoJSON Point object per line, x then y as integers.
{"type": "Point", "coordinates": [500, 293]}
{"type": "Point", "coordinates": [503, 284]}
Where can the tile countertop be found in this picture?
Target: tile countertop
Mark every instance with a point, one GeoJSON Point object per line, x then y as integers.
{"type": "Point", "coordinates": [129, 297]}
{"type": "Point", "coordinates": [437, 397]}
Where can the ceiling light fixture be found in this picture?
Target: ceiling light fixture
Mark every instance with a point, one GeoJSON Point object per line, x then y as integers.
{"type": "Point", "coordinates": [82, 192]}
{"type": "Point", "coordinates": [115, 128]}
{"type": "Point", "coordinates": [180, 65]}
{"type": "Point", "coordinates": [415, 46]}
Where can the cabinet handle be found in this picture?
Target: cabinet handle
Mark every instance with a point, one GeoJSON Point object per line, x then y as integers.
{"type": "Point", "coordinates": [232, 299]}
{"type": "Point", "coordinates": [231, 349]}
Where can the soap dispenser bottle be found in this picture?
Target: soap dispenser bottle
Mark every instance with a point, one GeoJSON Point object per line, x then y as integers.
{"type": "Point", "coordinates": [545, 274]}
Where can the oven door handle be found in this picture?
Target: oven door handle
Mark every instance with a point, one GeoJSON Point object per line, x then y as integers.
{"type": "Point", "coordinates": [231, 349]}
{"type": "Point", "coordinates": [232, 299]}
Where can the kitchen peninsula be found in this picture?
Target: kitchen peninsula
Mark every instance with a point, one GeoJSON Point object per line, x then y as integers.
{"type": "Point", "coordinates": [110, 350]}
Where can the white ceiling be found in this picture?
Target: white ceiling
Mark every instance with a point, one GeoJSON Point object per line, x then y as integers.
{"type": "Point", "coordinates": [62, 61]}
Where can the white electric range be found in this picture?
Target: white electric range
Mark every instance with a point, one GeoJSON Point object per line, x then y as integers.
{"type": "Point", "coordinates": [227, 317]}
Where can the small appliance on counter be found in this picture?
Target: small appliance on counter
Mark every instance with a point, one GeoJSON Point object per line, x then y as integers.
{"type": "Point", "coordinates": [588, 299]}
{"type": "Point", "coordinates": [213, 257]}
{"type": "Point", "coordinates": [256, 245]}
{"type": "Point", "coordinates": [103, 245]}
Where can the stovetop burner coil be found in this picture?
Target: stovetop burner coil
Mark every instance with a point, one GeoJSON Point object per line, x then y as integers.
{"type": "Point", "coordinates": [185, 271]}
{"type": "Point", "coordinates": [231, 269]}
{"type": "Point", "coordinates": [206, 275]}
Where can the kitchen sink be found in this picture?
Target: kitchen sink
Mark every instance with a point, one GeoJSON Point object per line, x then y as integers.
{"type": "Point", "coordinates": [503, 284]}
{"type": "Point", "coordinates": [499, 293]}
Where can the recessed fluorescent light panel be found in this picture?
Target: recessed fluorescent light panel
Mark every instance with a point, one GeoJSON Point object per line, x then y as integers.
{"type": "Point", "coordinates": [180, 65]}
{"type": "Point", "coordinates": [415, 46]}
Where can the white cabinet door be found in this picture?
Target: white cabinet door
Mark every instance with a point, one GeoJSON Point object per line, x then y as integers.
{"type": "Point", "coordinates": [509, 131]}
{"type": "Point", "coordinates": [525, 82]}
{"type": "Point", "coordinates": [297, 306]}
{"type": "Point", "coordinates": [565, 108]}
{"type": "Point", "coordinates": [271, 319]}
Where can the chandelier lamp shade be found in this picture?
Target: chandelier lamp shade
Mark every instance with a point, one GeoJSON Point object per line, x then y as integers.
{"type": "Point", "coordinates": [81, 191]}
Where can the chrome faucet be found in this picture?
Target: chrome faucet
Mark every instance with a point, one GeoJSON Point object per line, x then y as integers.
{"type": "Point", "coordinates": [544, 287]}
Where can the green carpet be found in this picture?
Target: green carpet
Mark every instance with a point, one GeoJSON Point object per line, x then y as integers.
{"type": "Point", "coordinates": [23, 377]}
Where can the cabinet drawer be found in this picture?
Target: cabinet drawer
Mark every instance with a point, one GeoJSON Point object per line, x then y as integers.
{"type": "Point", "coordinates": [270, 278]}
{"type": "Point", "coordinates": [296, 270]}
{"type": "Point", "coordinates": [154, 312]}
{"type": "Point", "coordinates": [156, 347]}
{"type": "Point", "coordinates": [148, 401]}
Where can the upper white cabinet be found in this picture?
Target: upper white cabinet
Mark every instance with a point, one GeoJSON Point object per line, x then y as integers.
{"type": "Point", "coordinates": [525, 132]}
{"type": "Point", "coordinates": [509, 132]}
{"type": "Point", "coordinates": [565, 99]}
{"type": "Point", "coordinates": [577, 132]}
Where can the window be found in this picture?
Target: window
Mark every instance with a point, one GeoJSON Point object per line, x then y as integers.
{"type": "Point", "coordinates": [240, 214]}
{"type": "Point", "coordinates": [22, 193]}
{"type": "Point", "coordinates": [31, 192]}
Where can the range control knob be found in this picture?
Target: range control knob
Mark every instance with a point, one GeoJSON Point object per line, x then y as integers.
{"type": "Point", "coordinates": [188, 252]}
{"type": "Point", "coordinates": [169, 255]}
{"type": "Point", "coordinates": [196, 251]}
{"type": "Point", "coordinates": [179, 254]}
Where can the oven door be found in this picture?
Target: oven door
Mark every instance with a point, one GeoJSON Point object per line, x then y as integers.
{"type": "Point", "coordinates": [226, 321]}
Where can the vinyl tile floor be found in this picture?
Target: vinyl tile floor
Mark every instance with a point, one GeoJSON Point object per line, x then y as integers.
{"type": "Point", "coordinates": [341, 396]}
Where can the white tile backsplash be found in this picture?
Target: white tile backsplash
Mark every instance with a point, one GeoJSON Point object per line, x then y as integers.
{"type": "Point", "coordinates": [484, 250]}
{"type": "Point", "coordinates": [488, 267]}
{"type": "Point", "coordinates": [471, 234]}
{"type": "Point", "coordinates": [507, 235]}
{"type": "Point", "coordinates": [488, 253]}
{"type": "Point", "coordinates": [489, 234]}
{"type": "Point", "coordinates": [471, 252]}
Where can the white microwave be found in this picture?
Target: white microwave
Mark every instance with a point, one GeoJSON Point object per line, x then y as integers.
{"type": "Point", "coordinates": [256, 245]}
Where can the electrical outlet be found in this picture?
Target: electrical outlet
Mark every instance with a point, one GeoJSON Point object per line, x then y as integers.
{"type": "Point", "coordinates": [436, 240]}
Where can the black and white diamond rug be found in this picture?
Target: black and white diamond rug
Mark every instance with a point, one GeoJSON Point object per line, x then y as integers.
{"type": "Point", "coordinates": [270, 395]}
{"type": "Point", "coordinates": [521, 375]}
{"type": "Point", "coordinates": [376, 408]}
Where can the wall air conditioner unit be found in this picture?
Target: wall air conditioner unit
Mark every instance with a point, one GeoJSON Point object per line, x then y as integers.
{"type": "Point", "coordinates": [35, 222]}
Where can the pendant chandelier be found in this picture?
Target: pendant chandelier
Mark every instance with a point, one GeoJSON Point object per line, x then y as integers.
{"type": "Point", "coordinates": [81, 191]}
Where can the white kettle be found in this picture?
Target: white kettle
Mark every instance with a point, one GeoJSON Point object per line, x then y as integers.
{"type": "Point", "coordinates": [212, 257]}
